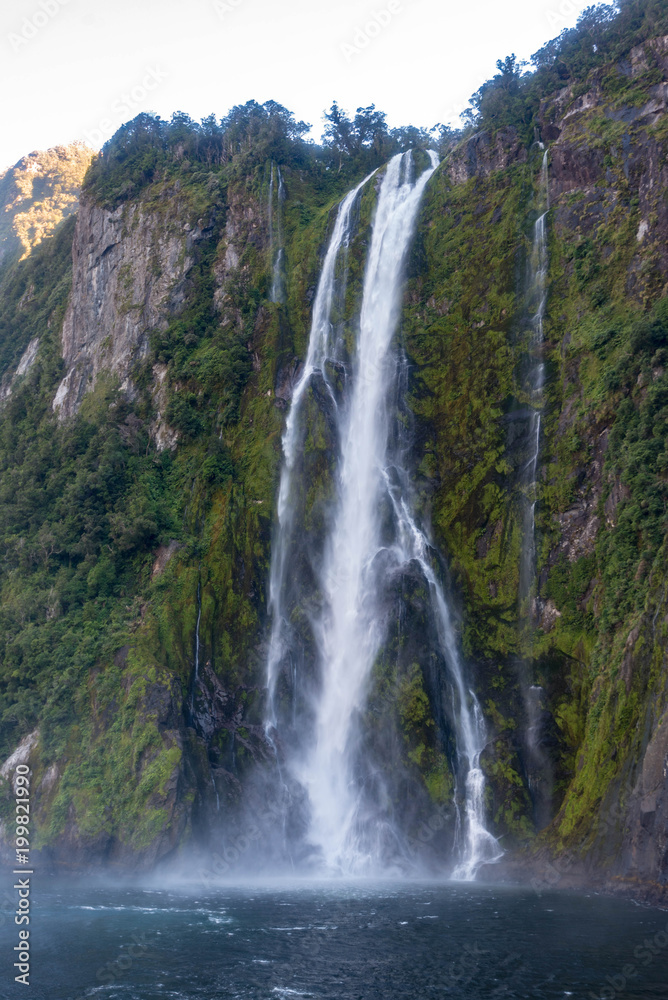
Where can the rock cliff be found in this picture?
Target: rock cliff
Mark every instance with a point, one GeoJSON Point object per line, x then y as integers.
{"type": "Point", "coordinates": [128, 276]}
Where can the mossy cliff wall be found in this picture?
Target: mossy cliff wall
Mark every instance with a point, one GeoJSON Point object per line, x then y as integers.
{"type": "Point", "coordinates": [598, 648]}
{"type": "Point", "coordinates": [140, 449]}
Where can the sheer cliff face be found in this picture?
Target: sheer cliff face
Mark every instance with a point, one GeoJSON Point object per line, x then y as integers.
{"type": "Point", "coordinates": [130, 269]}
{"type": "Point", "coordinates": [136, 270]}
{"type": "Point", "coordinates": [609, 177]}
{"type": "Point", "coordinates": [128, 273]}
{"type": "Point", "coordinates": [169, 303]}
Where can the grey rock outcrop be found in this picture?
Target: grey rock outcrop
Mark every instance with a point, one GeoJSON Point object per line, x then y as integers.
{"type": "Point", "coordinates": [129, 270]}
{"type": "Point", "coordinates": [484, 153]}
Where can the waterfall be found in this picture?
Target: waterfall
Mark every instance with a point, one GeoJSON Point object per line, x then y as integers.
{"type": "Point", "coordinates": [270, 212]}
{"type": "Point", "coordinates": [277, 252]}
{"type": "Point", "coordinates": [372, 537]}
{"type": "Point", "coordinates": [196, 675]}
{"type": "Point", "coordinates": [532, 693]}
{"type": "Point", "coordinates": [478, 846]}
{"type": "Point", "coordinates": [320, 343]}
{"type": "Point", "coordinates": [537, 304]}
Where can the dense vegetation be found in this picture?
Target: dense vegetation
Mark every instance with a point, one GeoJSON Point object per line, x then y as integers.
{"type": "Point", "coordinates": [603, 35]}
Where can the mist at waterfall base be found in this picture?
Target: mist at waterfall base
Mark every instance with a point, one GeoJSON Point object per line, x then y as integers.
{"type": "Point", "coordinates": [338, 941]}
{"type": "Point", "coordinates": [346, 574]}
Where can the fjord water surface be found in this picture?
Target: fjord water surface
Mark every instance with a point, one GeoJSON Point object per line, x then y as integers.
{"type": "Point", "coordinates": [335, 940]}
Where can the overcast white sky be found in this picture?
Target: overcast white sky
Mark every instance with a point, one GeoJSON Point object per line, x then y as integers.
{"type": "Point", "coordinates": [77, 69]}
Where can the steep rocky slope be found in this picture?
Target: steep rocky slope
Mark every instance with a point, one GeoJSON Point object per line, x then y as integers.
{"type": "Point", "coordinates": [145, 390]}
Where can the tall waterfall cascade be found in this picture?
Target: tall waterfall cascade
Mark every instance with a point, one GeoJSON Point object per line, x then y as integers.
{"type": "Point", "coordinates": [372, 537]}
{"type": "Point", "coordinates": [537, 764]}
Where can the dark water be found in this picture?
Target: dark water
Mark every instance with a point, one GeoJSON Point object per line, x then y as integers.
{"type": "Point", "coordinates": [352, 941]}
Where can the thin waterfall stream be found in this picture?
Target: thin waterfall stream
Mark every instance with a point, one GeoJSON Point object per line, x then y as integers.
{"type": "Point", "coordinates": [537, 763]}
{"type": "Point", "coordinates": [276, 235]}
{"type": "Point", "coordinates": [270, 212]}
{"type": "Point", "coordinates": [538, 303]}
{"type": "Point", "coordinates": [372, 538]}
{"type": "Point", "coordinates": [197, 648]}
